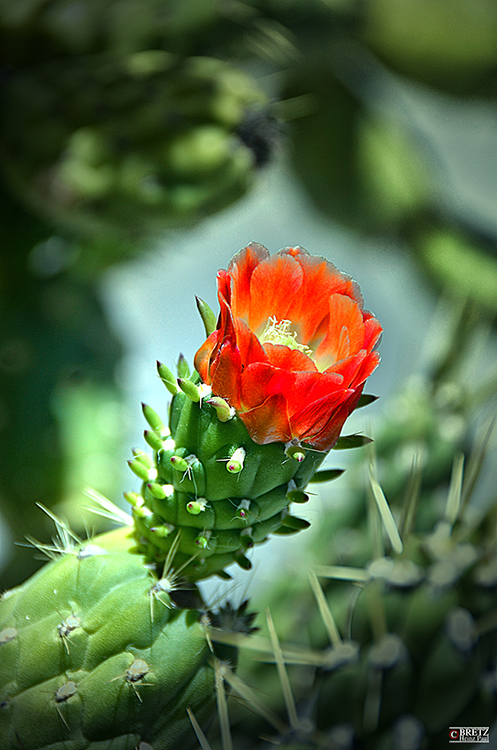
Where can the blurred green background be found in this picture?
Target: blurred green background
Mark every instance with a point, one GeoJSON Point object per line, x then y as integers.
{"type": "Point", "coordinates": [143, 143]}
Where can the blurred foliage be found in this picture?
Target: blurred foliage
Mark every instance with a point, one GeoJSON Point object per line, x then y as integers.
{"type": "Point", "coordinates": [117, 151]}
{"type": "Point", "coordinates": [411, 635]}
{"type": "Point", "coordinates": [57, 361]}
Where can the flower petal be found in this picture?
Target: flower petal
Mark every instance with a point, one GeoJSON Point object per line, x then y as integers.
{"type": "Point", "coordinates": [274, 284]}
{"type": "Point", "coordinates": [321, 279]}
{"type": "Point", "coordinates": [289, 359]}
{"type": "Point", "coordinates": [320, 416]}
{"type": "Point", "coordinates": [239, 273]}
{"type": "Point", "coordinates": [345, 334]}
{"type": "Point", "coordinates": [268, 422]}
{"type": "Point", "coordinates": [203, 356]}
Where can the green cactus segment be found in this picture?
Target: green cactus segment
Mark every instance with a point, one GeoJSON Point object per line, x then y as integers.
{"type": "Point", "coordinates": [133, 145]}
{"type": "Point", "coordinates": [212, 492]}
{"type": "Point", "coordinates": [93, 656]}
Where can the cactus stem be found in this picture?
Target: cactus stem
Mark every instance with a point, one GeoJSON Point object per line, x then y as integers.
{"type": "Point", "coordinates": [324, 610]}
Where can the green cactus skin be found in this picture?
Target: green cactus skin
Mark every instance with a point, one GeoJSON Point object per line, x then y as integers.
{"type": "Point", "coordinates": [93, 658]}
{"type": "Point", "coordinates": [211, 491]}
{"type": "Point", "coordinates": [131, 146]}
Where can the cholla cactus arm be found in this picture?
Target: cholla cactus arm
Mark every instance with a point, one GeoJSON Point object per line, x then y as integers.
{"type": "Point", "coordinates": [91, 656]}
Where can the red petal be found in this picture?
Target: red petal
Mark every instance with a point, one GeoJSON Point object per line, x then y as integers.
{"type": "Point", "coordinates": [372, 332]}
{"type": "Point", "coordinates": [289, 359]}
{"type": "Point", "coordinates": [345, 335]}
{"type": "Point", "coordinates": [268, 422]}
{"type": "Point", "coordinates": [240, 272]}
{"type": "Point", "coordinates": [225, 373]}
{"type": "Point", "coordinates": [274, 284]}
{"type": "Point", "coordinates": [321, 279]}
{"type": "Point", "coordinates": [203, 356]}
{"type": "Point", "coordinates": [251, 349]}
{"type": "Point", "coordinates": [320, 417]}
{"type": "Point", "coordinates": [327, 437]}
{"type": "Point", "coordinates": [261, 380]}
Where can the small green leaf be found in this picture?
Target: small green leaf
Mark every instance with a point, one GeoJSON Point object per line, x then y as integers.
{"type": "Point", "coordinates": [207, 315]}
{"type": "Point", "coordinates": [182, 367]}
{"type": "Point", "coordinates": [326, 475]}
{"type": "Point", "coordinates": [285, 531]}
{"type": "Point", "coordinates": [351, 441]}
{"type": "Point", "coordinates": [292, 522]}
{"type": "Point", "coordinates": [365, 399]}
{"type": "Point", "coordinates": [167, 378]}
{"type": "Point", "coordinates": [189, 389]}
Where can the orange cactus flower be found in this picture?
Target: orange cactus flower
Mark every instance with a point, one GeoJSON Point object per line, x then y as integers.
{"type": "Point", "coordinates": [293, 346]}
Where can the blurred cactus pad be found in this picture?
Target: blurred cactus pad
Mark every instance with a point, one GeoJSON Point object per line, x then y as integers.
{"type": "Point", "coordinates": [123, 148]}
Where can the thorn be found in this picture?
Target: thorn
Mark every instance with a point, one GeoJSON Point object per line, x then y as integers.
{"type": "Point", "coordinates": [325, 611]}
{"type": "Point", "coordinates": [203, 742]}
{"type": "Point", "coordinates": [282, 673]}
{"type": "Point", "coordinates": [222, 708]}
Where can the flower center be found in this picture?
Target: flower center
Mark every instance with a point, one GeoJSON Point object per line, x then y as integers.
{"type": "Point", "coordinates": [279, 333]}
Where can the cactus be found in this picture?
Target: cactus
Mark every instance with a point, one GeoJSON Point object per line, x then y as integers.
{"type": "Point", "coordinates": [93, 656]}
{"type": "Point", "coordinates": [110, 645]}
{"type": "Point", "coordinates": [125, 148]}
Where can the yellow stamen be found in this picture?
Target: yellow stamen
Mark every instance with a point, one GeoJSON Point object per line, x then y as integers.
{"type": "Point", "coordinates": [280, 333]}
